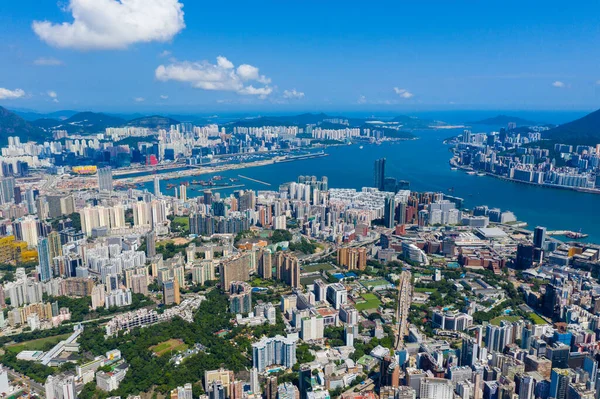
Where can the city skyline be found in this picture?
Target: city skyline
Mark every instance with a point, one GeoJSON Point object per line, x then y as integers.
{"type": "Point", "coordinates": [177, 56]}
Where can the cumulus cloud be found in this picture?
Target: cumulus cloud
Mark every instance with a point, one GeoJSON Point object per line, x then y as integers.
{"type": "Point", "coordinates": [293, 94]}
{"type": "Point", "coordinates": [47, 61]}
{"type": "Point", "coordinates": [222, 76]}
{"type": "Point", "coordinates": [53, 95]}
{"type": "Point", "coordinates": [113, 24]}
{"type": "Point", "coordinates": [403, 93]}
{"type": "Point", "coordinates": [559, 84]}
{"type": "Point", "coordinates": [7, 94]}
{"type": "Point", "coordinates": [248, 72]}
{"type": "Point", "coordinates": [139, 99]}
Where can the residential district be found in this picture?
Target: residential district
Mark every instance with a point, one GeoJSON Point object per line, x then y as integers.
{"type": "Point", "coordinates": [301, 291]}
{"type": "Point", "coordinates": [521, 157]}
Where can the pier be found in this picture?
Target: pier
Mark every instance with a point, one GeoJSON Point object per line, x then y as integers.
{"type": "Point", "coordinates": [254, 180]}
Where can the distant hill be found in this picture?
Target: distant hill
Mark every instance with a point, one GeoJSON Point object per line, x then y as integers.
{"type": "Point", "coordinates": [290, 120]}
{"type": "Point", "coordinates": [503, 120]}
{"type": "Point", "coordinates": [12, 124]}
{"type": "Point", "coordinates": [81, 122]}
{"type": "Point", "coordinates": [32, 115]}
{"type": "Point", "coordinates": [323, 120]}
{"type": "Point", "coordinates": [411, 122]}
{"type": "Point", "coordinates": [584, 131]}
{"type": "Point", "coordinates": [153, 122]}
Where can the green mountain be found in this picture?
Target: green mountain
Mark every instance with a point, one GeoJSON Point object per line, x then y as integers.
{"type": "Point", "coordinates": [503, 120]}
{"type": "Point", "coordinates": [81, 122]}
{"type": "Point", "coordinates": [12, 124]}
{"type": "Point", "coordinates": [584, 131]}
{"type": "Point", "coordinates": [32, 115]}
{"type": "Point", "coordinates": [153, 122]}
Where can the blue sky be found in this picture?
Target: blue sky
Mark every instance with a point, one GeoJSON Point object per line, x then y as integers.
{"type": "Point", "coordinates": [308, 55]}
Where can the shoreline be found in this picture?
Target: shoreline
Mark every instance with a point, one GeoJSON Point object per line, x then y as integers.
{"type": "Point", "coordinates": [209, 170]}
{"type": "Point", "coordinates": [544, 185]}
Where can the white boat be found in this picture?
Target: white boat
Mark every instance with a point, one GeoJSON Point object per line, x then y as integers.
{"type": "Point", "coordinates": [471, 173]}
{"type": "Point", "coordinates": [361, 147]}
{"type": "Point", "coordinates": [453, 168]}
{"type": "Point", "coordinates": [480, 174]}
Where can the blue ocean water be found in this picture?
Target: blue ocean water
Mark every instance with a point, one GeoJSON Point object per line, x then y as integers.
{"type": "Point", "coordinates": [424, 162]}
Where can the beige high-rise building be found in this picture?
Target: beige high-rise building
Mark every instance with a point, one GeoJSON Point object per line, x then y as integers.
{"type": "Point", "coordinates": [29, 231]}
{"type": "Point", "coordinates": [288, 268]}
{"type": "Point", "coordinates": [235, 269]}
{"type": "Point", "coordinates": [139, 284]}
{"type": "Point", "coordinates": [225, 377]}
{"type": "Point", "coordinates": [183, 192]}
{"type": "Point", "coordinates": [142, 214]}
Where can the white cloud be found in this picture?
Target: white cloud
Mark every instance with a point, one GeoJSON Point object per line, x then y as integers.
{"type": "Point", "coordinates": [248, 72]}
{"type": "Point", "coordinates": [222, 76]}
{"type": "Point", "coordinates": [361, 100]}
{"type": "Point", "coordinates": [293, 94]}
{"type": "Point", "coordinates": [261, 92]}
{"type": "Point", "coordinates": [113, 24]}
{"type": "Point", "coordinates": [164, 97]}
{"type": "Point", "coordinates": [139, 99]}
{"type": "Point", "coordinates": [559, 84]}
{"type": "Point", "coordinates": [53, 95]}
{"type": "Point", "coordinates": [6, 94]}
{"type": "Point", "coordinates": [47, 61]}
{"type": "Point", "coordinates": [164, 54]}
{"type": "Point", "coordinates": [403, 93]}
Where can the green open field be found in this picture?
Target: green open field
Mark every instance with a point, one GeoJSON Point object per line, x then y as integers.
{"type": "Point", "coordinates": [36, 344]}
{"type": "Point", "coordinates": [536, 319]}
{"type": "Point", "coordinates": [371, 302]}
{"type": "Point", "coordinates": [311, 279]}
{"type": "Point", "coordinates": [374, 283]}
{"type": "Point", "coordinates": [172, 345]}
{"type": "Point", "coordinates": [183, 220]}
{"type": "Point", "coordinates": [317, 267]}
{"type": "Point", "coordinates": [496, 320]}
{"type": "Point", "coordinates": [425, 289]}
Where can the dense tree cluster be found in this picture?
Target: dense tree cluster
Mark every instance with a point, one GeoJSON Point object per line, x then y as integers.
{"type": "Point", "coordinates": [305, 246]}
{"type": "Point", "coordinates": [281, 235]}
{"type": "Point", "coordinates": [81, 307]}
{"type": "Point", "coordinates": [147, 370]}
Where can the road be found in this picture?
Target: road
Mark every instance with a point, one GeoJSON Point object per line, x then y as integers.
{"type": "Point", "coordinates": [332, 249]}
{"type": "Point", "coordinates": [19, 378]}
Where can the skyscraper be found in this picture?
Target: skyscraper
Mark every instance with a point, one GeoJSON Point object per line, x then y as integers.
{"type": "Point", "coordinates": [105, 181]}
{"type": "Point", "coordinates": [559, 383]}
{"type": "Point", "coordinates": [379, 174]}
{"type": "Point", "coordinates": [271, 388]}
{"type": "Point", "coordinates": [304, 380]}
{"type": "Point", "coordinates": [539, 236]}
{"type": "Point", "coordinates": [389, 212]}
{"type": "Point", "coordinates": [183, 192]}
{"type": "Point", "coordinates": [274, 351]}
{"type": "Point", "coordinates": [156, 186]}
{"type": "Point", "coordinates": [45, 261]}
{"type": "Point", "coordinates": [254, 383]}
{"type": "Point", "coordinates": [150, 244]}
